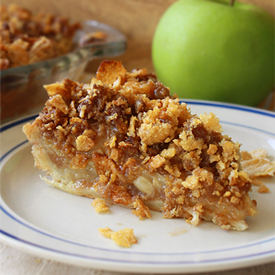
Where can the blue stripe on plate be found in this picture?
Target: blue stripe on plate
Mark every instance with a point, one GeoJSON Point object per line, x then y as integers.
{"type": "Point", "coordinates": [230, 106]}
{"type": "Point", "coordinates": [248, 127]}
{"type": "Point", "coordinates": [17, 122]}
{"type": "Point", "coordinates": [12, 149]}
{"type": "Point", "coordinates": [195, 262]}
{"type": "Point", "coordinates": [131, 252]}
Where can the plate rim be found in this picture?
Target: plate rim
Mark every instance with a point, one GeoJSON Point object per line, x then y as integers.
{"type": "Point", "coordinates": [155, 267]}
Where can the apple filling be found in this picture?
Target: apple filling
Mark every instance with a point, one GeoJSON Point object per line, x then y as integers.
{"type": "Point", "coordinates": [123, 138]}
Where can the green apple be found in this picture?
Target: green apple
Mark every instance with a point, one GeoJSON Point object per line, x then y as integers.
{"type": "Point", "coordinates": [215, 50]}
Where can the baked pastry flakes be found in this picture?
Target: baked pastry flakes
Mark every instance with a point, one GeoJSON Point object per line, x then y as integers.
{"type": "Point", "coordinates": [125, 139]}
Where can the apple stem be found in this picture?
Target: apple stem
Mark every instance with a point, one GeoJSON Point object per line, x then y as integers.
{"type": "Point", "coordinates": [232, 2]}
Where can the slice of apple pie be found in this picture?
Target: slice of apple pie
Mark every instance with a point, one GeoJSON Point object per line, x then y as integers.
{"type": "Point", "coordinates": [123, 138]}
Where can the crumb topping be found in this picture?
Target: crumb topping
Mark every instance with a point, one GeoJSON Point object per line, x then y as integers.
{"type": "Point", "coordinates": [146, 146]}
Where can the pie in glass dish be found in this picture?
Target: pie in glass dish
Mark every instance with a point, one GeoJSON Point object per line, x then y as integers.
{"type": "Point", "coordinates": [123, 138]}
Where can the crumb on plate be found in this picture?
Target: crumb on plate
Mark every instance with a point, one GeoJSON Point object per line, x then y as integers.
{"type": "Point", "coordinates": [257, 164]}
{"type": "Point", "coordinates": [100, 205]}
{"type": "Point", "coordinates": [124, 237]}
{"type": "Point", "coordinates": [263, 189]}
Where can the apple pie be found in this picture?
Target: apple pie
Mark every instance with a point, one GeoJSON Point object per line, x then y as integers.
{"type": "Point", "coordinates": [27, 38]}
{"type": "Point", "coordinates": [123, 138]}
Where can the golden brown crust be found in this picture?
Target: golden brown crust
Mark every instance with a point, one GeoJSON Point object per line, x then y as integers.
{"type": "Point", "coordinates": [133, 144]}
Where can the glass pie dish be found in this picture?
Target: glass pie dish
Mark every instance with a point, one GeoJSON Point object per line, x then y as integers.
{"type": "Point", "coordinates": [22, 89]}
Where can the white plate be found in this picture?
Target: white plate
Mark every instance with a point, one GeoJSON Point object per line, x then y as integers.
{"type": "Point", "coordinates": [56, 225]}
